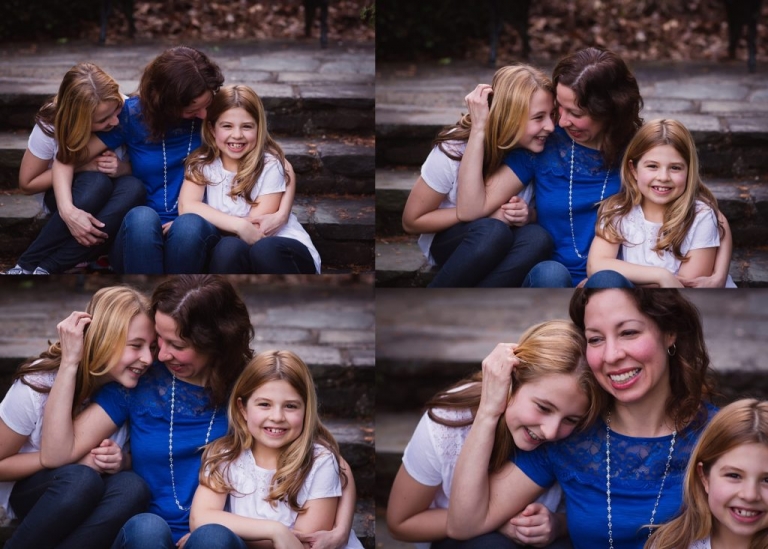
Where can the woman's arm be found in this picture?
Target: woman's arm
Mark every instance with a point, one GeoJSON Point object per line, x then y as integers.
{"type": "Point", "coordinates": [409, 517]}
{"type": "Point", "coordinates": [422, 213]}
{"type": "Point", "coordinates": [602, 256]}
{"type": "Point", "coordinates": [85, 228]}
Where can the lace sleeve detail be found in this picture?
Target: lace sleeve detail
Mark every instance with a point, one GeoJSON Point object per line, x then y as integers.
{"type": "Point", "coordinates": [449, 440]}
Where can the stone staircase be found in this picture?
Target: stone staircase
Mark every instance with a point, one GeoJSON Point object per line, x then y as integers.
{"type": "Point", "coordinates": [726, 111]}
{"type": "Point", "coordinates": [319, 107]}
{"type": "Point", "coordinates": [330, 326]}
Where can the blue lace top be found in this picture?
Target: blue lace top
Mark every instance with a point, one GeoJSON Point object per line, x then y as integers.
{"type": "Point", "coordinates": [147, 157]}
{"type": "Point", "coordinates": [550, 170]}
{"type": "Point", "coordinates": [148, 410]}
{"type": "Point", "coordinates": [637, 467]}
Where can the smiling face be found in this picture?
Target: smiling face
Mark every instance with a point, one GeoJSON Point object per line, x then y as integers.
{"type": "Point", "coordinates": [737, 490]}
{"type": "Point", "coordinates": [198, 107]}
{"type": "Point", "coordinates": [539, 124]}
{"type": "Point", "coordinates": [581, 127]}
{"type": "Point", "coordinates": [661, 175]}
{"type": "Point", "coordinates": [181, 359]}
{"type": "Point", "coordinates": [546, 409]}
{"type": "Point", "coordinates": [235, 135]}
{"type": "Point", "coordinates": [274, 414]}
{"type": "Point", "coordinates": [137, 354]}
{"type": "Point", "coordinates": [625, 349]}
{"type": "Point", "coordinates": [105, 116]}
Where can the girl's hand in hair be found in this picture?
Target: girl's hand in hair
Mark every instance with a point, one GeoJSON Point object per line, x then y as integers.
{"type": "Point", "coordinates": [71, 334]}
{"type": "Point", "coordinates": [535, 525]}
{"type": "Point", "coordinates": [497, 379]}
{"type": "Point", "coordinates": [478, 103]}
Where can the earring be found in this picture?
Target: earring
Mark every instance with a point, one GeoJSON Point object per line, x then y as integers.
{"type": "Point", "coordinates": [672, 351]}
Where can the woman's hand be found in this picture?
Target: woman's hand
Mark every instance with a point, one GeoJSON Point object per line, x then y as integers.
{"type": "Point", "coordinates": [324, 539]}
{"type": "Point", "coordinates": [71, 333]}
{"type": "Point", "coordinates": [497, 379]}
{"type": "Point", "coordinates": [535, 525]}
{"type": "Point", "coordinates": [478, 105]}
{"type": "Point", "coordinates": [84, 227]}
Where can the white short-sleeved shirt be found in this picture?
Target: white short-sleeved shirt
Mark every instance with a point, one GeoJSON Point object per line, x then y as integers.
{"type": "Point", "coordinates": [431, 455]}
{"type": "Point", "coordinates": [441, 173]}
{"type": "Point", "coordinates": [271, 180]}
{"type": "Point", "coordinates": [22, 412]}
{"type": "Point", "coordinates": [251, 484]}
{"type": "Point", "coordinates": [702, 544]}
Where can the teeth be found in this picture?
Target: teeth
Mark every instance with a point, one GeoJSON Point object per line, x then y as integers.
{"type": "Point", "coordinates": [625, 376]}
{"type": "Point", "coordinates": [136, 371]}
{"type": "Point", "coordinates": [236, 145]}
{"type": "Point", "coordinates": [745, 512]}
{"type": "Point", "coordinates": [275, 431]}
{"type": "Point", "coordinates": [532, 435]}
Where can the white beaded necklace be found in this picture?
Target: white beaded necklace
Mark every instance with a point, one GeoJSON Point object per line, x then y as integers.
{"type": "Point", "coordinates": [570, 199]}
{"type": "Point", "coordinates": [165, 169]}
{"type": "Point", "coordinates": [608, 478]}
{"type": "Point", "coordinates": [170, 442]}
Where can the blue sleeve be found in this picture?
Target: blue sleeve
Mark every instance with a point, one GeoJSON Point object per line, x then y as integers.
{"type": "Point", "coordinates": [536, 465]}
{"type": "Point", "coordinates": [521, 162]}
{"type": "Point", "coordinates": [115, 400]}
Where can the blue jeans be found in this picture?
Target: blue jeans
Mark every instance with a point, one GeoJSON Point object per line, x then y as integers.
{"type": "Point", "coordinates": [493, 540]}
{"type": "Point", "coordinates": [548, 274]}
{"type": "Point", "coordinates": [74, 507]}
{"type": "Point", "coordinates": [144, 531]}
{"type": "Point", "coordinates": [214, 536]}
{"type": "Point", "coordinates": [142, 248]}
{"type": "Point", "coordinates": [270, 255]}
{"type": "Point", "coordinates": [108, 200]}
{"type": "Point", "coordinates": [488, 253]}
{"type": "Point", "coordinates": [608, 279]}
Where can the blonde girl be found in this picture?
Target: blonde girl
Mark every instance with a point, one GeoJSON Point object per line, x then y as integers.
{"type": "Point", "coordinates": [662, 227]}
{"type": "Point", "coordinates": [515, 111]}
{"type": "Point", "coordinates": [88, 211]}
{"type": "Point", "coordinates": [236, 176]}
{"type": "Point", "coordinates": [551, 394]}
{"type": "Point", "coordinates": [277, 468]}
{"type": "Point", "coordinates": [725, 492]}
{"type": "Point", "coordinates": [83, 504]}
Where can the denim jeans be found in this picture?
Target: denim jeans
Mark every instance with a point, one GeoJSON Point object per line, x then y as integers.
{"type": "Point", "coordinates": [548, 274]}
{"type": "Point", "coordinates": [270, 255]}
{"type": "Point", "coordinates": [608, 279]}
{"type": "Point", "coordinates": [493, 540]}
{"type": "Point", "coordinates": [214, 536]}
{"type": "Point", "coordinates": [142, 248]}
{"type": "Point", "coordinates": [488, 253]}
{"type": "Point", "coordinates": [74, 507]}
{"type": "Point", "coordinates": [108, 200]}
{"type": "Point", "coordinates": [144, 531]}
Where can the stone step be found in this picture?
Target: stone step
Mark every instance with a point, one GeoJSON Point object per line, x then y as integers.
{"type": "Point", "coordinates": [400, 263]}
{"type": "Point", "coordinates": [744, 202]}
{"type": "Point", "coordinates": [729, 144]}
{"type": "Point", "coordinates": [341, 227]}
{"type": "Point", "coordinates": [323, 165]}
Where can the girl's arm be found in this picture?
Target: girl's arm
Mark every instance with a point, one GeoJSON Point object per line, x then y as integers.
{"type": "Point", "coordinates": [481, 503]}
{"type": "Point", "coordinates": [701, 262]}
{"type": "Point", "coordinates": [476, 199]}
{"type": "Point", "coordinates": [208, 508]}
{"type": "Point", "coordinates": [722, 262]}
{"type": "Point", "coordinates": [34, 174]}
{"type": "Point", "coordinates": [602, 256]}
{"type": "Point", "coordinates": [409, 517]}
{"type": "Point", "coordinates": [13, 465]}
{"type": "Point", "coordinates": [269, 223]}
{"type": "Point", "coordinates": [422, 214]}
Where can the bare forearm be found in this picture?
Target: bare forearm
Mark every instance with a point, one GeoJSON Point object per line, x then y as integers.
{"type": "Point", "coordinates": [19, 466]}
{"type": "Point", "coordinates": [429, 525]}
{"type": "Point", "coordinates": [57, 447]}
{"type": "Point", "coordinates": [637, 274]}
{"type": "Point", "coordinates": [471, 186]}
{"type": "Point", "coordinates": [431, 222]}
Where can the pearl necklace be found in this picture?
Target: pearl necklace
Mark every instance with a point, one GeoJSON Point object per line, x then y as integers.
{"type": "Point", "coordinates": [170, 443]}
{"type": "Point", "coordinates": [608, 478]}
{"type": "Point", "coordinates": [570, 198]}
{"type": "Point", "coordinates": [165, 170]}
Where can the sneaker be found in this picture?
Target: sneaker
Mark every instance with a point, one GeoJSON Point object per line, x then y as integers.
{"type": "Point", "coordinates": [40, 271]}
{"type": "Point", "coordinates": [17, 270]}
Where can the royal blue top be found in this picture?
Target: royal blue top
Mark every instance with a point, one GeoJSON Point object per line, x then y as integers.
{"type": "Point", "coordinates": [147, 408]}
{"type": "Point", "coordinates": [147, 156]}
{"type": "Point", "coordinates": [578, 463]}
{"type": "Point", "coordinates": [550, 171]}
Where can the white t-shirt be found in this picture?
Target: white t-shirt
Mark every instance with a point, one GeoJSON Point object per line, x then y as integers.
{"type": "Point", "coordinates": [702, 544]}
{"type": "Point", "coordinates": [251, 484]}
{"type": "Point", "coordinates": [431, 456]}
{"type": "Point", "coordinates": [271, 180]}
{"type": "Point", "coordinates": [22, 412]}
{"type": "Point", "coordinates": [441, 173]}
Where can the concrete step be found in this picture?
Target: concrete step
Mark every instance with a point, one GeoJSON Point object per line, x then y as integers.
{"type": "Point", "coordinates": [341, 227]}
{"type": "Point", "coordinates": [323, 165]}
{"type": "Point", "coordinates": [743, 201]}
{"type": "Point", "coordinates": [400, 263]}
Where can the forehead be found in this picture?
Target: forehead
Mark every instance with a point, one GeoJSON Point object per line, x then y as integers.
{"type": "Point", "coordinates": [561, 390]}
{"type": "Point", "coordinates": [276, 389]}
{"type": "Point", "coordinates": [663, 152]}
{"type": "Point", "coordinates": [610, 306]}
{"type": "Point", "coordinates": [236, 114]}
{"type": "Point", "coordinates": [201, 101]}
{"type": "Point", "coordinates": [104, 109]}
{"type": "Point", "coordinates": [165, 325]}
{"type": "Point", "coordinates": [566, 96]}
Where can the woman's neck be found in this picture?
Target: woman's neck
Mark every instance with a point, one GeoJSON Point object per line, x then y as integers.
{"type": "Point", "coordinates": [646, 419]}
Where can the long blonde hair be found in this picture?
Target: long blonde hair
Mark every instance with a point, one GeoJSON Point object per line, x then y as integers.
{"type": "Point", "coordinates": [70, 112]}
{"type": "Point", "coordinates": [741, 422]}
{"type": "Point", "coordinates": [251, 165]}
{"type": "Point", "coordinates": [513, 87]}
{"type": "Point", "coordinates": [296, 459]}
{"type": "Point", "coordinates": [111, 310]}
{"type": "Point", "coordinates": [679, 215]}
{"type": "Point", "coordinates": [548, 348]}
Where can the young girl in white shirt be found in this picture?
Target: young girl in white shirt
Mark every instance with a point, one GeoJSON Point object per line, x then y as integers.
{"type": "Point", "coordinates": [277, 469]}
{"type": "Point", "coordinates": [236, 175]}
{"type": "Point", "coordinates": [725, 492]}
{"type": "Point", "coordinates": [663, 226]}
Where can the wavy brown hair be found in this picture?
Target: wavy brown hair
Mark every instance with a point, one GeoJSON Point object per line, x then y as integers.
{"type": "Point", "coordinates": [297, 457]}
{"type": "Point", "coordinates": [212, 318]}
{"type": "Point", "coordinates": [548, 348]}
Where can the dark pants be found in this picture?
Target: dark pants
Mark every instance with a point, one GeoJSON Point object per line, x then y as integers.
{"type": "Point", "coordinates": [214, 536]}
{"type": "Point", "coordinates": [108, 200]}
{"type": "Point", "coordinates": [494, 540]}
{"type": "Point", "coordinates": [74, 507]}
{"type": "Point", "coordinates": [270, 255]}
{"type": "Point", "coordinates": [488, 253]}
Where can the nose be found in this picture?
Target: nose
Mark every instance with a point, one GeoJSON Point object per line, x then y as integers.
{"type": "Point", "coordinates": [663, 174]}
{"type": "Point", "coordinates": [550, 428]}
{"type": "Point", "coordinates": [163, 354]}
{"type": "Point", "coordinates": [201, 113]}
{"type": "Point", "coordinates": [146, 355]}
{"type": "Point", "coordinates": [276, 413]}
{"type": "Point", "coordinates": [612, 351]}
{"type": "Point", "coordinates": [564, 121]}
{"type": "Point", "coordinates": [549, 124]}
{"type": "Point", "coordinates": [749, 491]}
